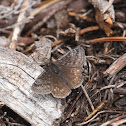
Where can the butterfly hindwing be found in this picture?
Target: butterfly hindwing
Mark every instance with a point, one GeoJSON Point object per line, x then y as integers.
{"type": "Point", "coordinates": [60, 89]}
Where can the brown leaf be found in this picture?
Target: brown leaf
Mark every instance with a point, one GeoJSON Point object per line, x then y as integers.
{"type": "Point", "coordinates": [103, 25]}
{"type": "Point", "coordinates": [105, 14]}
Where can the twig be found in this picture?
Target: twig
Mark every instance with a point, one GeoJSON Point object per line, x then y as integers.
{"type": "Point", "coordinates": [7, 11]}
{"type": "Point", "coordinates": [116, 66]}
{"type": "Point", "coordinates": [80, 16]}
{"type": "Point", "coordinates": [59, 42]}
{"type": "Point", "coordinates": [67, 115]}
{"type": "Point", "coordinates": [83, 123]}
{"type": "Point", "coordinates": [43, 7]}
{"type": "Point", "coordinates": [97, 109]}
{"type": "Point", "coordinates": [88, 29]}
{"type": "Point", "coordinates": [20, 24]}
{"type": "Point", "coordinates": [87, 96]}
{"type": "Point", "coordinates": [51, 13]}
{"type": "Point", "coordinates": [113, 121]}
{"type": "Point", "coordinates": [104, 39]}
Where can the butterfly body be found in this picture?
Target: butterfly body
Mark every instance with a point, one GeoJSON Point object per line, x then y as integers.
{"type": "Point", "coordinates": [62, 76]}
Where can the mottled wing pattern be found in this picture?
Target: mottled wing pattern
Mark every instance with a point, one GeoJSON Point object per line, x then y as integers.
{"type": "Point", "coordinates": [50, 82]}
{"type": "Point", "coordinates": [73, 76]}
{"type": "Point", "coordinates": [60, 89]}
{"type": "Point", "coordinates": [73, 58]}
{"type": "Point", "coordinates": [62, 76]}
{"type": "Point", "coordinates": [71, 66]}
{"type": "Point", "coordinates": [42, 84]}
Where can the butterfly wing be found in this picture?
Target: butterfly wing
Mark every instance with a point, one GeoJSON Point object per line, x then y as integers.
{"type": "Point", "coordinates": [60, 89]}
{"type": "Point", "coordinates": [65, 74]}
{"type": "Point", "coordinates": [71, 66]}
{"type": "Point", "coordinates": [42, 84]}
{"type": "Point", "coordinates": [49, 82]}
{"type": "Point", "coordinates": [73, 76]}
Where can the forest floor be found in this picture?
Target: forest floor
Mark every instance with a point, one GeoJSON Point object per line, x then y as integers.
{"type": "Point", "coordinates": [97, 27]}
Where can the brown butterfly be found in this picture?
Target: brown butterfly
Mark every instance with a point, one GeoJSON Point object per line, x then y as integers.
{"type": "Point", "coordinates": [62, 76]}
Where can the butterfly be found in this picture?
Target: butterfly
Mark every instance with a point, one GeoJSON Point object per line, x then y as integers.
{"type": "Point", "coordinates": [60, 77]}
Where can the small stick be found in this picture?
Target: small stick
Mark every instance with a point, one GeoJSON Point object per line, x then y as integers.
{"type": "Point", "coordinates": [88, 29]}
{"type": "Point", "coordinates": [97, 109]}
{"type": "Point", "coordinates": [116, 66]}
{"type": "Point", "coordinates": [104, 39]}
{"type": "Point", "coordinates": [67, 115]}
{"type": "Point", "coordinates": [88, 98]}
{"type": "Point", "coordinates": [51, 13]}
{"type": "Point", "coordinates": [43, 7]}
{"type": "Point", "coordinates": [80, 16]}
{"type": "Point", "coordinates": [20, 24]}
{"type": "Point", "coordinates": [59, 42]}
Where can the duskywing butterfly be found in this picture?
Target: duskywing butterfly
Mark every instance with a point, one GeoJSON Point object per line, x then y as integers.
{"type": "Point", "coordinates": [62, 76]}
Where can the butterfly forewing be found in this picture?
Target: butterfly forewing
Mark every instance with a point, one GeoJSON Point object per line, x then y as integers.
{"type": "Point", "coordinates": [73, 58]}
{"type": "Point", "coordinates": [73, 76]}
{"type": "Point", "coordinates": [42, 84]}
{"type": "Point", "coordinates": [71, 67]}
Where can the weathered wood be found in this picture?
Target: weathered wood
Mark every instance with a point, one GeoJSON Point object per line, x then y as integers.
{"type": "Point", "coordinates": [17, 74]}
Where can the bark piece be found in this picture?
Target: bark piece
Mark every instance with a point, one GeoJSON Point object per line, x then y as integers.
{"type": "Point", "coordinates": [17, 74]}
{"type": "Point", "coordinates": [42, 52]}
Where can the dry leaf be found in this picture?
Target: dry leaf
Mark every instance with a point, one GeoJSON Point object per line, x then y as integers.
{"type": "Point", "coordinates": [105, 14]}
{"type": "Point", "coordinates": [103, 25]}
